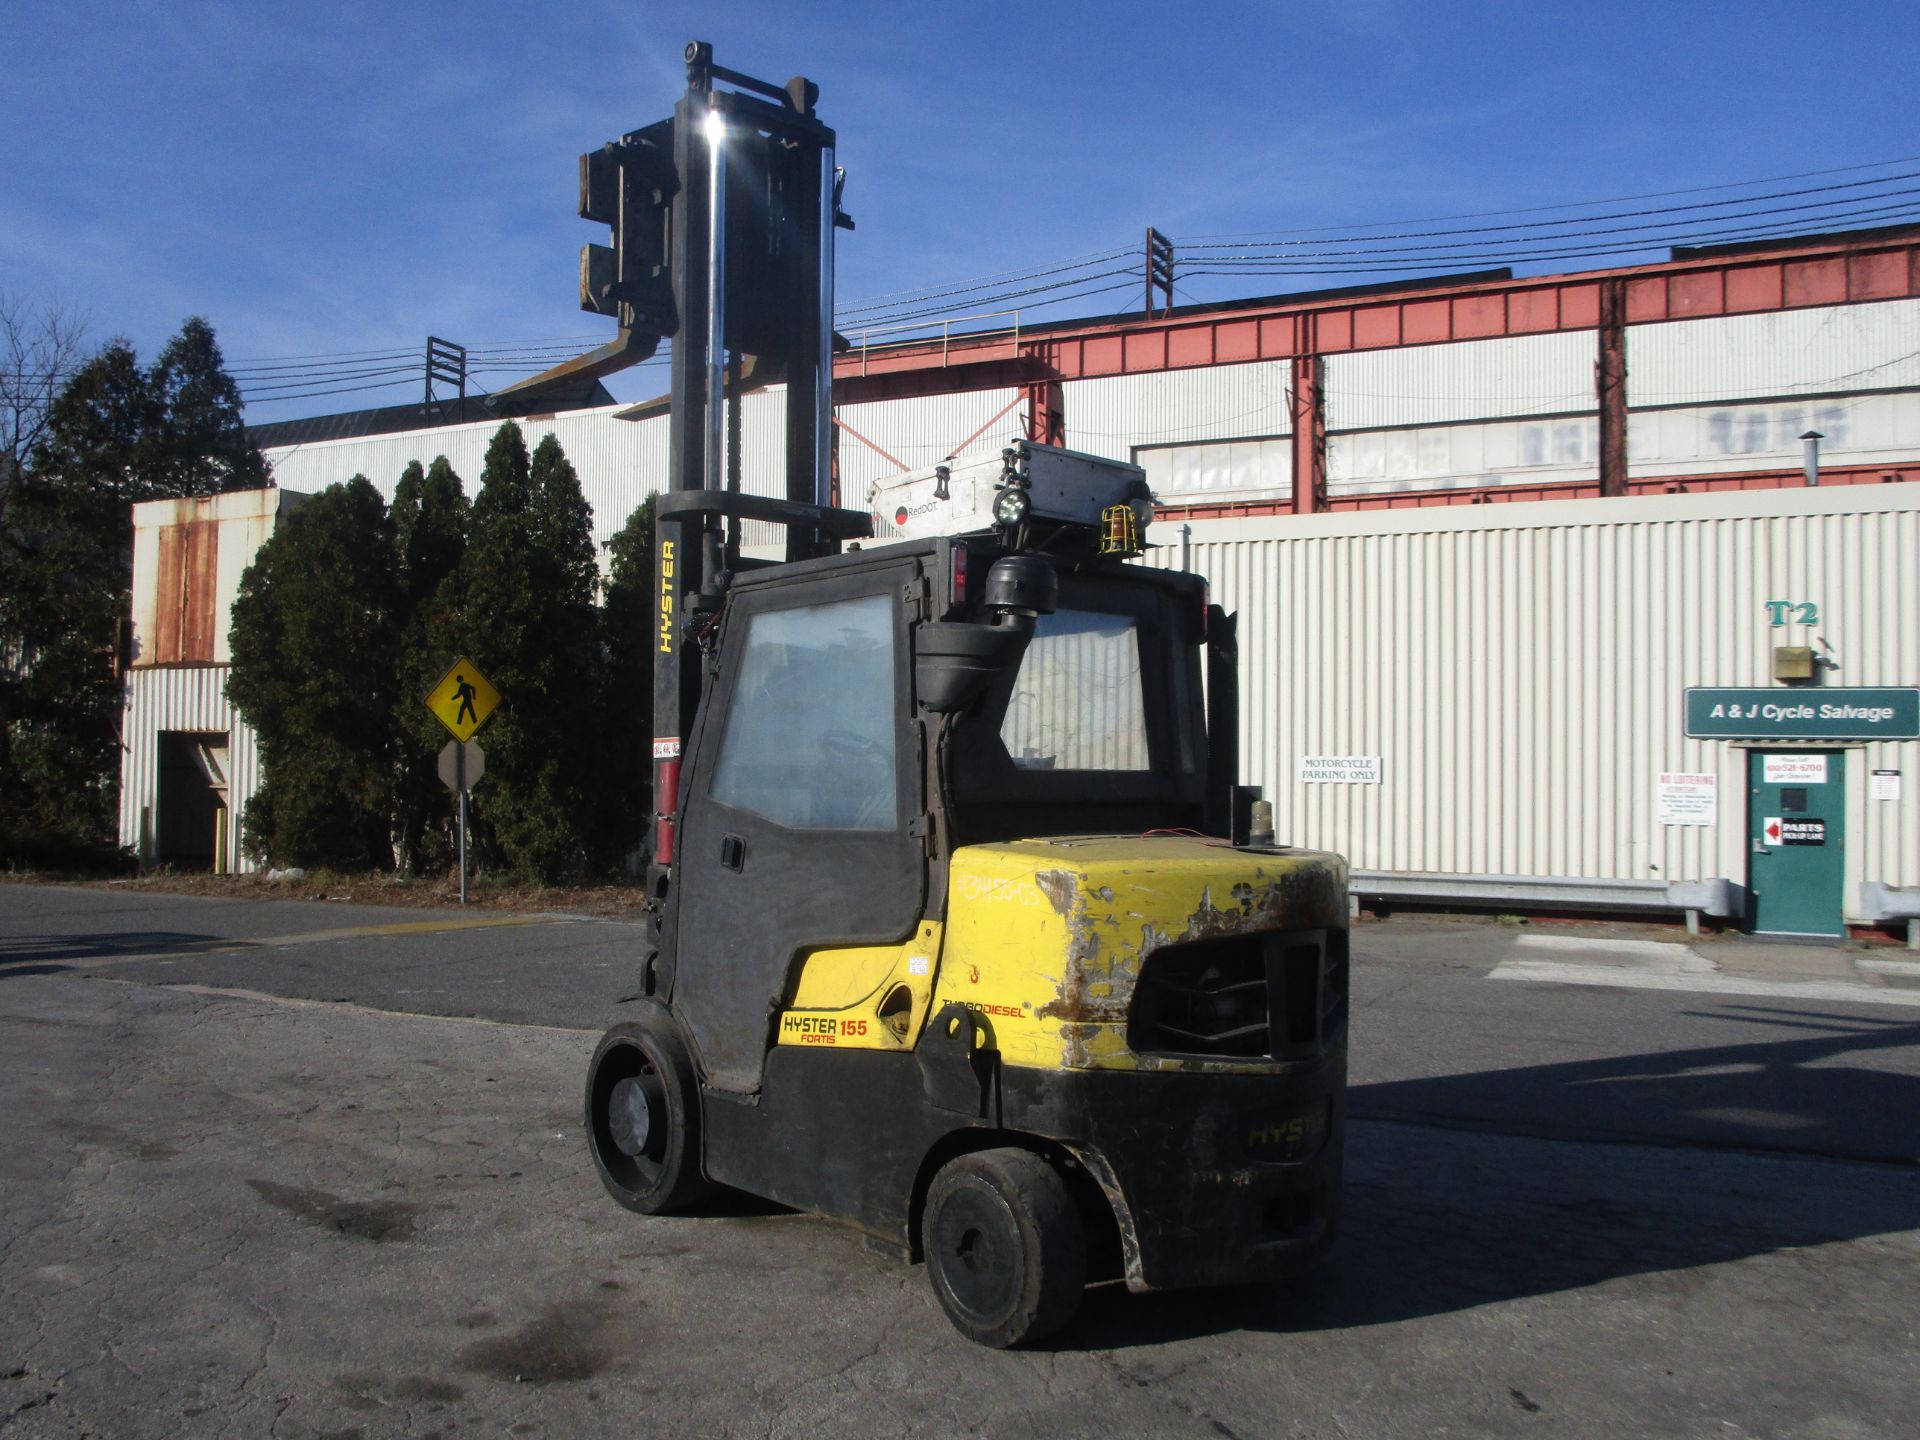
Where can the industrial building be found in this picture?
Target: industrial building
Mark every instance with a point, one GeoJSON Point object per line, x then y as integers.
{"type": "Point", "coordinates": [188, 763]}
{"type": "Point", "coordinates": [1484, 534]}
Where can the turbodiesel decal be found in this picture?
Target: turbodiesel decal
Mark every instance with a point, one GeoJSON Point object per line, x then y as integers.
{"type": "Point", "coordinates": [1014, 1011]}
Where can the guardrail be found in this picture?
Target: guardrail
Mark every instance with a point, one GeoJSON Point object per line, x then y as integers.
{"type": "Point", "coordinates": [1722, 899]}
{"type": "Point", "coordinates": [1883, 904]}
{"type": "Point", "coordinates": [945, 329]}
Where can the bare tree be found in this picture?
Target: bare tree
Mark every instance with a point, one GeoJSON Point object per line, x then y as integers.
{"type": "Point", "coordinates": [41, 345]}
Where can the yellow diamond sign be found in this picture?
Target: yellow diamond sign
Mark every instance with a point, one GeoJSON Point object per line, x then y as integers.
{"type": "Point", "coordinates": [463, 699]}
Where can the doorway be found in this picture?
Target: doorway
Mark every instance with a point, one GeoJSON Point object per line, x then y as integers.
{"type": "Point", "coordinates": [1796, 842]}
{"type": "Point", "coordinates": [191, 830]}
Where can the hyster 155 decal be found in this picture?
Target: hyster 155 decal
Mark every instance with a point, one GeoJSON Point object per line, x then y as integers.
{"type": "Point", "coordinates": [821, 1029]}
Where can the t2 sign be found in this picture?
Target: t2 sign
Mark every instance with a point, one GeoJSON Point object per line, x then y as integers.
{"type": "Point", "coordinates": [1804, 612]}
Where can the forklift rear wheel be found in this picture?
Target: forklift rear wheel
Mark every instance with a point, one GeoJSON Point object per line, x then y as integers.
{"type": "Point", "coordinates": [643, 1115]}
{"type": "Point", "coordinates": [1005, 1246]}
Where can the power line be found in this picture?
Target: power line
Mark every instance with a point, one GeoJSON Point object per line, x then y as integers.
{"type": "Point", "coordinates": [1651, 230]}
{"type": "Point", "coordinates": [912, 297]}
{"type": "Point", "coordinates": [1360, 263]}
{"type": "Point", "coordinates": [1583, 204]}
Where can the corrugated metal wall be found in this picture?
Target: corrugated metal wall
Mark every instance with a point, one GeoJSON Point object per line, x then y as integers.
{"type": "Point", "coordinates": [187, 697]}
{"type": "Point", "coordinates": [1467, 380]}
{"type": "Point", "coordinates": [1179, 407]}
{"type": "Point", "coordinates": [619, 462]}
{"type": "Point", "coordinates": [1520, 671]}
{"type": "Point", "coordinates": [1874, 346]}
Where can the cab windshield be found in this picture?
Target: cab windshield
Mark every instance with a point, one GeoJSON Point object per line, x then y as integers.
{"type": "Point", "coordinates": [1077, 702]}
{"type": "Point", "coordinates": [1098, 729]}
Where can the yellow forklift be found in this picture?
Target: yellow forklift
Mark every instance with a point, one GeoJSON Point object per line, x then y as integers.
{"type": "Point", "coordinates": [961, 929]}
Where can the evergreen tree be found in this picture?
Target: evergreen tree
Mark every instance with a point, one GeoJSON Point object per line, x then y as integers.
{"type": "Point", "coordinates": [113, 435]}
{"type": "Point", "coordinates": [526, 588]}
{"type": "Point", "coordinates": [430, 517]}
{"type": "Point", "coordinates": [628, 616]}
{"type": "Point", "coordinates": [199, 446]}
{"type": "Point", "coordinates": [315, 641]}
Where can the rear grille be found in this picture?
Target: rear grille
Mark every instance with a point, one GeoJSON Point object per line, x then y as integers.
{"type": "Point", "coordinates": [1245, 997]}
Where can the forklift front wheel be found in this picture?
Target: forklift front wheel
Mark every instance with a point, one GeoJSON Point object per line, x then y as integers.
{"type": "Point", "coordinates": [643, 1115]}
{"type": "Point", "coordinates": [1005, 1246]}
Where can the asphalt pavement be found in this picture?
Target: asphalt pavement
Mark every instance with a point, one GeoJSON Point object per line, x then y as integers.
{"type": "Point", "coordinates": [315, 1170]}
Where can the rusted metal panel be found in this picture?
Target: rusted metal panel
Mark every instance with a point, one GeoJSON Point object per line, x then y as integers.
{"type": "Point", "coordinates": [188, 558]}
{"type": "Point", "coordinates": [184, 593]}
{"type": "Point", "coordinates": [1309, 434]}
{"type": "Point", "coordinates": [1611, 381]}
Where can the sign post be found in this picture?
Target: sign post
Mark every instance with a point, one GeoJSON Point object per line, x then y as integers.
{"type": "Point", "coordinates": [462, 701]}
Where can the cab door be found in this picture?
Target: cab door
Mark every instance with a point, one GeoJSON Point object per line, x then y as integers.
{"type": "Point", "coordinates": [795, 827]}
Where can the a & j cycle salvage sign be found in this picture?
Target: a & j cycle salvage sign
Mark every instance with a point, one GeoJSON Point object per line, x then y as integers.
{"type": "Point", "coordinates": [1836, 712]}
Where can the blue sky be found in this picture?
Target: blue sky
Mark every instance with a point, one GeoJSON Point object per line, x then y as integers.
{"type": "Point", "coordinates": [347, 177]}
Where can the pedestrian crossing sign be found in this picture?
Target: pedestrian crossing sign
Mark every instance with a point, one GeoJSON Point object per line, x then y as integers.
{"type": "Point", "coordinates": [463, 699]}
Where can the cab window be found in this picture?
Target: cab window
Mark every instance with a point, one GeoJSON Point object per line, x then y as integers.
{"type": "Point", "coordinates": [1077, 702]}
{"type": "Point", "coordinates": [809, 741]}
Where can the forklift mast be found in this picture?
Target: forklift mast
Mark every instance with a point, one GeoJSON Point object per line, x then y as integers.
{"type": "Point", "coordinates": [724, 220]}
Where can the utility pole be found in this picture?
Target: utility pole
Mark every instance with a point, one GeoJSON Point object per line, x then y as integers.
{"type": "Point", "coordinates": [1159, 270]}
{"type": "Point", "coordinates": [447, 363]}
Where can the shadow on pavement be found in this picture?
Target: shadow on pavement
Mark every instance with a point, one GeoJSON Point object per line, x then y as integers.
{"type": "Point", "coordinates": [1475, 1189]}
{"type": "Point", "coordinates": [1798, 1095]}
{"type": "Point", "coordinates": [52, 954]}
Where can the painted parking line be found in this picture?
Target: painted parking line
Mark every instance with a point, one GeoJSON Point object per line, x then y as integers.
{"type": "Point", "coordinates": [1656, 965]}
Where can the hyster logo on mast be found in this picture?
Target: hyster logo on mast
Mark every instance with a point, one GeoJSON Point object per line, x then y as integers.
{"type": "Point", "coordinates": [666, 597]}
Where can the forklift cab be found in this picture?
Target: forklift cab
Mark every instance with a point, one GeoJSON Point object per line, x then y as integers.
{"type": "Point", "coordinates": [819, 758]}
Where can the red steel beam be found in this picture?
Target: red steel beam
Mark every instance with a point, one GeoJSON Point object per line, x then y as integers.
{"type": "Point", "coordinates": [1829, 273]}
{"type": "Point", "coordinates": [1549, 490]}
{"type": "Point", "coordinates": [1309, 434]}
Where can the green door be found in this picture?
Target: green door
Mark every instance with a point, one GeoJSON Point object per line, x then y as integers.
{"type": "Point", "coordinates": [1796, 833]}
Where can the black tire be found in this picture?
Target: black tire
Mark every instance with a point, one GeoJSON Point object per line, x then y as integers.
{"type": "Point", "coordinates": [643, 1115]}
{"type": "Point", "coordinates": [1006, 1249]}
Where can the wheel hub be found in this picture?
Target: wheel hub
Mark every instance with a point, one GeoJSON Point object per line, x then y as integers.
{"type": "Point", "coordinates": [633, 1113]}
